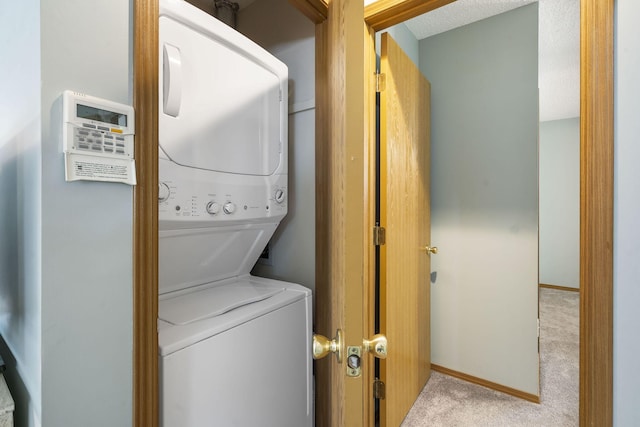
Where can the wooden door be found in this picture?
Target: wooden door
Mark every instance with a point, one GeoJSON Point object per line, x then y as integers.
{"type": "Point", "coordinates": [341, 265]}
{"type": "Point", "coordinates": [404, 213]}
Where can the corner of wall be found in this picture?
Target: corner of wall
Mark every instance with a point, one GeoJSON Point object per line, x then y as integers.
{"type": "Point", "coordinates": [20, 220]}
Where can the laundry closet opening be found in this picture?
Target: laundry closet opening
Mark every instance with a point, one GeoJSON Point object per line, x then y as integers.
{"type": "Point", "coordinates": [235, 132]}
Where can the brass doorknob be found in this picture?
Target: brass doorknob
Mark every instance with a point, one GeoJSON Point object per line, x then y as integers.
{"type": "Point", "coordinates": [323, 346]}
{"type": "Point", "coordinates": [376, 345]}
{"type": "Point", "coordinates": [430, 249]}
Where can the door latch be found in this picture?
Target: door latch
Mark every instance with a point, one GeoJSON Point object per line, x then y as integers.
{"type": "Point", "coordinates": [377, 346]}
{"type": "Point", "coordinates": [354, 361]}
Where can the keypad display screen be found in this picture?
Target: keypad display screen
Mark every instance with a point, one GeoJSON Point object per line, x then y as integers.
{"type": "Point", "coordinates": [105, 116]}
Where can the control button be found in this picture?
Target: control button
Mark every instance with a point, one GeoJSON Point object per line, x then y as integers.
{"type": "Point", "coordinates": [163, 192]}
{"type": "Point", "coordinates": [279, 196]}
{"type": "Point", "coordinates": [229, 208]}
{"type": "Point", "coordinates": [89, 126]}
{"type": "Point", "coordinates": [213, 208]}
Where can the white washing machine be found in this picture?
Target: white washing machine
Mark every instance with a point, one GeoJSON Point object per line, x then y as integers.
{"type": "Point", "coordinates": [234, 350]}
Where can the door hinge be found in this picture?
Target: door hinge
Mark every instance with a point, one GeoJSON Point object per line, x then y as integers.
{"type": "Point", "coordinates": [378, 389]}
{"type": "Point", "coordinates": [538, 327]}
{"type": "Point", "coordinates": [380, 82]}
{"type": "Point", "coordinates": [379, 235]}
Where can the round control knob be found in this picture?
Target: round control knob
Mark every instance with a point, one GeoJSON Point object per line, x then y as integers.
{"type": "Point", "coordinates": [229, 208]}
{"type": "Point", "coordinates": [213, 208]}
{"type": "Point", "coordinates": [279, 195]}
{"type": "Point", "coordinates": [163, 192]}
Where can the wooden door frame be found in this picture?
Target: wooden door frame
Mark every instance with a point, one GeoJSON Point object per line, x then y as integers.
{"type": "Point", "coordinates": [145, 215]}
{"type": "Point", "coordinates": [596, 191]}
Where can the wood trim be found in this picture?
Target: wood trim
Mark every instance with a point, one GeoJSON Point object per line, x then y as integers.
{"type": "Point", "coordinates": [370, 170]}
{"type": "Point", "coordinates": [596, 212]}
{"type": "Point", "coordinates": [558, 288]}
{"type": "Point", "coordinates": [370, 143]}
{"type": "Point", "coordinates": [145, 215]}
{"type": "Point", "coordinates": [383, 14]}
{"type": "Point", "coordinates": [315, 10]}
{"type": "Point", "coordinates": [328, 406]}
{"type": "Point", "coordinates": [488, 384]}
{"type": "Point", "coordinates": [340, 207]}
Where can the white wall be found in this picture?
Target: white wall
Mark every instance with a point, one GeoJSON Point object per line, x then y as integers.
{"type": "Point", "coordinates": [626, 375]}
{"type": "Point", "coordinates": [484, 207]}
{"type": "Point", "coordinates": [86, 227]}
{"type": "Point", "coordinates": [20, 211]}
{"type": "Point", "coordinates": [290, 36]}
{"type": "Point", "coordinates": [560, 202]}
{"type": "Point", "coordinates": [68, 328]}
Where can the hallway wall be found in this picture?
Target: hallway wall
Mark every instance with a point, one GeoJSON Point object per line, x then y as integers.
{"type": "Point", "coordinates": [484, 197]}
{"type": "Point", "coordinates": [560, 202]}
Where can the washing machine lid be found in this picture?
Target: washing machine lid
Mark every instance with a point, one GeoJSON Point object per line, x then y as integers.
{"type": "Point", "coordinates": [223, 99]}
{"type": "Point", "coordinates": [173, 338]}
{"type": "Point", "coordinates": [211, 302]}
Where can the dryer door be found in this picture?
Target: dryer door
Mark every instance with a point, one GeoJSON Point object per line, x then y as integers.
{"type": "Point", "coordinates": [222, 97]}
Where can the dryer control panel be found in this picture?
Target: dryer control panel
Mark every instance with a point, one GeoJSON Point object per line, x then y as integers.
{"type": "Point", "coordinates": [199, 198]}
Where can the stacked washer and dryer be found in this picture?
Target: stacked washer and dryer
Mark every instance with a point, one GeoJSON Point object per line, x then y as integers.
{"type": "Point", "coordinates": [234, 349]}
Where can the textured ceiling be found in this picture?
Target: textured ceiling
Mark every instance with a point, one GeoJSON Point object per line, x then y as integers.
{"type": "Point", "coordinates": [558, 45]}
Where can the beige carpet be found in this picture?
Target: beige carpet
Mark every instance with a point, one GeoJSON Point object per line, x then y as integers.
{"type": "Point", "coordinates": [447, 401]}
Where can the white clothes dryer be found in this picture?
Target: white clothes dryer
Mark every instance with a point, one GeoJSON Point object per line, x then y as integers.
{"type": "Point", "coordinates": [234, 350]}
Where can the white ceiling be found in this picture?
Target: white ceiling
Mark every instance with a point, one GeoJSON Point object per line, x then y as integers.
{"type": "Point", "coordinates": [558, 45]}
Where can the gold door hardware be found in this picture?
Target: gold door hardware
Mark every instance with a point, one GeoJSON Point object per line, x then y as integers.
{"type": "Point", "coordinates": [430, 249]}
{"type": "Point", "coordinates": [354, 361]}
{"type": "Point", "coordinates": [380, 82]}
{"type": "Point", "coordinates": [378, 389]}
{"type": "Point", "coordinates": [323, 346]}
{"type": "Point", "coordinates": [377, 345]}
{"type": "Point", "coordinates": [379, 235]}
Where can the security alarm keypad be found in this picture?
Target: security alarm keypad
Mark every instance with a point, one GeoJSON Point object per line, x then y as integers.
{"type": "Point", "coordinates": [97, 137]}
{"type": "Point", "coordinates": [97, 126]}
